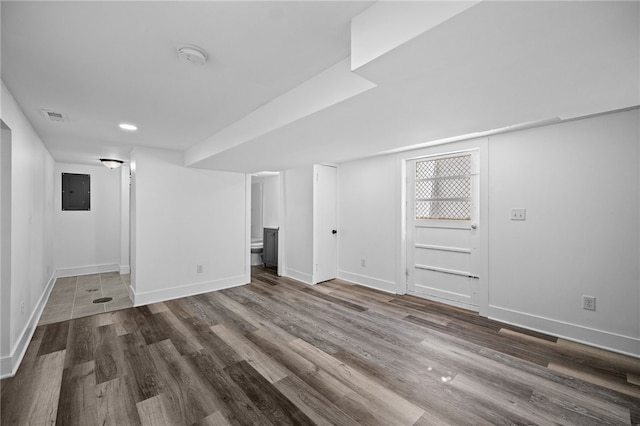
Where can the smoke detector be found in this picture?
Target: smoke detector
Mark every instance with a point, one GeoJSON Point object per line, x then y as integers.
{"type": "Point", "coordinates": [52, 115]}
{"type": "Point", "coordinates": [193, 54]}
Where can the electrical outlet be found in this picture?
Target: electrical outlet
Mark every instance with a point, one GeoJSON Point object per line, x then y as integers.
{"type": "Point", "coordinates": [22, 307]}
{"type": "Point", "coordinates": [363, 262]}
{"type": "Point", "coordinates": [199, 269]}
{"type": "Point", "coordinates": [589, 303]}
{"type": "Point", "coordinates": [519, 214]}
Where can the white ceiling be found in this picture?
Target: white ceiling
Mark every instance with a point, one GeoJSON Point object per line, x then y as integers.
{"type": "Point", "coordinates": [493, 65]}
{"type": "Point", "coordinates": [102, 63]}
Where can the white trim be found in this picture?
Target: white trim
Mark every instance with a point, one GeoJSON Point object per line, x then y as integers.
{"type": "Point", "coordinates": [281, 225]}
{"type": "Point", "coordinates": [445, 270]}
{"type": "Point", "coordinates": [247, 227]}
{"type": "Point", "coordinates": [132, 293]}
{"type": "Point", "coordinates": [481, 146]}
{"type": "Point", "coordinates": [443, 248]}
{"type": "Point", "coordinates": [626, 345]}
{"type": "Point", "coordinates": [370, 282]}
{"type": "Point", "coordinates": [9, 364]}
{"type": "Point", "coordinates": [300, 276]}
{"type": "Point", "coordinates": [140, 299]}
{"type": "Point", "coordinates": [125, 269]}
{"type": "Point", "coordinates": [443, 224]}
{"type": "Point", "coordinates": [87, 270]}
{"type": "Point", "coordinates": [445, 300]}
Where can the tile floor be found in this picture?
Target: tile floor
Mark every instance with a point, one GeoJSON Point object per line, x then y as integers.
{"type": "Point", "coordinates": [72, 297]}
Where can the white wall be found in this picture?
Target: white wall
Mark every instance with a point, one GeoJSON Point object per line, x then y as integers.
{"type": "Point", "coordinates": [31, 230]}
{"type": "Point", "coordinates": [256, 210]}
{"type": "Point", "coordinates": [5, 241]}
{"type": "Point", "coordinates": [88, 241]}
{"type": "Point", "coordinates": [270, 200]}
{"type": "Point", "coordinates": [124, 219]}
{"type": "Point", "coordinates": [367, 212]}
{"type": "Point", "coordinates": [580, 184]}
{"type": "Point", "coordinates": [298, 245]}
{"type": "Point", "coordinates": [183, 217]}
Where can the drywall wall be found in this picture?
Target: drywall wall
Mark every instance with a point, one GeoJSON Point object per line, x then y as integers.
{"type": "Point", "coordinates": [367, 210]}
{"type": "Point", "coordinates": [580, 184]}
{"type": "Point", "coordinates": [31, 230]}
{"type": "Point", "coordinates": [88, 241]}
{"type": "Point", "coordinates": [256, 210]}
{"type": "Point", "coordinates": [298, 244]}
{"type": "Point", "coordinates": [125, 172]}
{"type": "Point", "coordinates": [270, 200]}
{"type": "Point", "coordinates": [5, 240]}
{"type": "Point", "coordinates": [181, 218]}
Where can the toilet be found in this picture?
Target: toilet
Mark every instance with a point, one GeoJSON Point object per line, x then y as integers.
{"type": "Point", "coordinates": [256, 252]}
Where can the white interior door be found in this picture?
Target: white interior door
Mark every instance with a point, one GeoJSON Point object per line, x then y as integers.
{"type": "Point", "coordinates": [325, 220]}
{"type": "Point", "coordinates": [442, 228]}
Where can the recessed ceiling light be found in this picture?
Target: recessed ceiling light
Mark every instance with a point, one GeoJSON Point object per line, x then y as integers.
{"type": "Point", "coordinates": [127, 126]}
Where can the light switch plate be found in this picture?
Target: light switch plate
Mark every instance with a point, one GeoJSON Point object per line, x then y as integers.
{"type": "Point", "coordinates": [518, 214]}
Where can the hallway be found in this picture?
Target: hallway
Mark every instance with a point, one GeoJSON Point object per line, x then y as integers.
{"type": "Point", "coordinates": [75, 297]}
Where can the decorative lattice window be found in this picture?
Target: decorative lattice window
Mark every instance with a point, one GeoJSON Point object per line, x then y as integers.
{"type": "Point", "coordinates": [443, 188]}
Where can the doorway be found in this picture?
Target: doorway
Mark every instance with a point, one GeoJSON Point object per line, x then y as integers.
{"type": "Point", "coordinates": [265, 220]}
{"type": "Point", "coordinates": [442, 228]}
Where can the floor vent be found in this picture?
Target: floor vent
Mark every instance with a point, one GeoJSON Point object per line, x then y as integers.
{"type": "Point", "coordinates": [103, 300]}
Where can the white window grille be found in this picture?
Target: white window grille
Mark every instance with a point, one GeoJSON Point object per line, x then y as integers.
{"type": "Point", "coordinates": [443, 188]}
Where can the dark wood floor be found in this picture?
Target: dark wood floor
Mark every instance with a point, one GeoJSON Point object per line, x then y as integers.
{"type": "Point", "coordinates": [279, 352]}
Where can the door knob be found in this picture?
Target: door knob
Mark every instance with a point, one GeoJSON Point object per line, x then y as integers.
{"type": "Point", "coordinates": [474, 226]}
{"type": "Point", "coordinates": [333, 231]}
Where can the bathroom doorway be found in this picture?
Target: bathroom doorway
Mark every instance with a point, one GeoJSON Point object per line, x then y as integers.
{"type": "Point", "coordinates": [265, 220]}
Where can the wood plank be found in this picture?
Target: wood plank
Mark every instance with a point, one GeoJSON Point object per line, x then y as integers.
{"type": "Point", "coordinates": [77, 402]}
{"type": "Point", "coordinates": [158, 411]}
{"type": "Point", "coordinates": [34, 396]}
{"type": "Point", "coordinates": [54, 338]}
{"type": "Point", "coordinates": [156, 308]}
{"type": "Point", "coordinates": [185, 391]}
{"type": "Point", "coordinates": [589, 405]}
{"type": "Point", "coordinates": [267, 398]}
{"type": "Point", "coordinates": [277, 351]}
{"type": "Point", "coordinates": [109, 356]}
{"type": "Point", "coordinates": [116, 403]}
{"type": "Point", "coordinates": [238, 408]}
{"type": "Point", "coordinates": [81, 341]}
{"type": "Point", "coordinates": [184, 341]}
{"type": "Point", "coordinates": [215, 419]}
{"type": "Point", "coordinates": [385, 403]}
{"type": "Point", "coordinates": [597, 379]}
{"type": "Point", "coordinates": [269, 369]}
{"type": "Point", "coordinates": [140, 367]}
{"type": "Point", "coordinates": [499, 406]}
{"type": "Point", "coordinates": [311, 402]}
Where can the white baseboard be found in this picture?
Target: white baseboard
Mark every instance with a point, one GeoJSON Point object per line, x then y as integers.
{"type": "Point", "coordinates": [87, 270]}
{"type": "Point", "coordinates": [145, 298]}
{"type": "Point", "coordinates": [366, 281]}
{"type": "Point", "coordinates": [125, 269]}
{"type": "Point", "coordinates": [626, 345]}
{"type": "Point", "coordinates": [300, 276]}
{"type": "Point", "coordinates": [9, 364]}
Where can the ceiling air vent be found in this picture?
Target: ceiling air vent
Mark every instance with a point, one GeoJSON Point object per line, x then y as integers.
{"type": "Point", "coordinates": [53, 116]}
